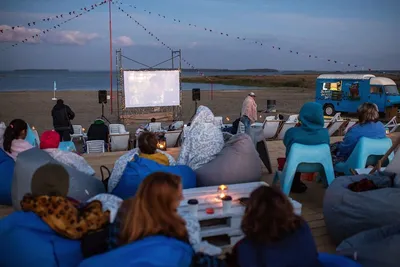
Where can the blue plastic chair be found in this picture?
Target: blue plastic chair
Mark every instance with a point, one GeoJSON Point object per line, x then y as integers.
{"type": "Point", "coordinates": [67, 146]}
{"type": "Point", "coordinates": [367, 152]}
{"type": "Point", "coordinates": [331, 260]}
{"type": "Point", "coordinates": [305, 159]}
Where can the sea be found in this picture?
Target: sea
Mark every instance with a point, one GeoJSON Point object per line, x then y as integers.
{"type": "Point", "coordinates": [99, 80]}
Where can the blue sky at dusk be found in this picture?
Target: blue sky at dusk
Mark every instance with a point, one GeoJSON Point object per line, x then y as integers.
{"type": "Point", "coordinates": [361, 32]}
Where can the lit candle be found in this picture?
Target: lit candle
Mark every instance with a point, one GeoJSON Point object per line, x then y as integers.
{"type": "Point", "coordinates": [222, 191]}
{"type": "Point", "coordinates": [33, 128]}
{"type": "Point", "coordinates": [227, 118]}
{"type": "Point", "coordinates": [83, 129]}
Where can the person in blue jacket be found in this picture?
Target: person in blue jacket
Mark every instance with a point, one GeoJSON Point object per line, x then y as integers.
{"type": "Point", "coordinates": [274, 234]}
{"type": "Point", "coordinates": [48, 230]}
{"type": "Point", "coordinates": [367, 126]}
{"type": "Point", "coordinates": [148, 231]}
{"type": "Point", "coordinates": [310, 131]}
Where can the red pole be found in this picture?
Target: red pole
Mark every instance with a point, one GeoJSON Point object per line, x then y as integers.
{"type": "Point", "coordinates": [111, 60]}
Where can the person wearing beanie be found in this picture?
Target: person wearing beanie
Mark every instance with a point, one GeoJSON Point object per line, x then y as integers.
{"type": "Point", "coordinates": [49, 142]}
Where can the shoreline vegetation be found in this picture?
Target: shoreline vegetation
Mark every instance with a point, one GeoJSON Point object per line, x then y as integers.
{"type": "Point", "coordinates": [283, 80]}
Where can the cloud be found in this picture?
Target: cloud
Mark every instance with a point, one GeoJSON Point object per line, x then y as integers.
{"type": "Point", "coordinates": [123, 41]}
{"type": "Point", "coordinates": [193, 44]}
{"type": "Point", "coordinates": [34, 36]}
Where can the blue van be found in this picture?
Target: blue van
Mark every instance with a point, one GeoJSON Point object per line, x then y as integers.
{"type": "Point", "coordinates": [345, 92]}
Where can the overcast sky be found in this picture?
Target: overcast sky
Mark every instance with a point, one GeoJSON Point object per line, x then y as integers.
{"type": "Point", "coordinates": [357, 32]}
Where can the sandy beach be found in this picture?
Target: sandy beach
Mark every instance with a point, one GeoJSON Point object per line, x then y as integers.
{"type": "Point", "coordinates": [35, 106]}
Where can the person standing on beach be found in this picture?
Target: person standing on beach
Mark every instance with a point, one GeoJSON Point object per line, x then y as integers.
{"type": "Point", "coordinates": [249, 111]}
{"type": "Point", "coordinates": [62, 116]}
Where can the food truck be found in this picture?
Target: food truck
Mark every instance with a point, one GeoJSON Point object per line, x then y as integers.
{"type": "Point", "coordinates": [345, 92]}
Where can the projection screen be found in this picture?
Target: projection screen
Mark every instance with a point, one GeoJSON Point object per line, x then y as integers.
{"type": "Point", "coordinates": [151, 88]}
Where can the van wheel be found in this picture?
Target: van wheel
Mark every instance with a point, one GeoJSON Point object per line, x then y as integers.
{"type": "Point", "coordinates": [329, 110]}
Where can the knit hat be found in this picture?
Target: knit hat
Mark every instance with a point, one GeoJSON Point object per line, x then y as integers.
{"type": "Point", "coordinates": [50, 179]}
{"type": "Point", "coordinates": [49, 139]}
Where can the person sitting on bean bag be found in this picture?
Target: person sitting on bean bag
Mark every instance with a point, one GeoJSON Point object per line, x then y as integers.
{"type": "Point", "coordinates": [148, 231]}
{"type": "Point", "coordinates": [274, 234]}
{"type": "Point", "coordinates": [146, 142]}
{"type": "Point", "coordinates": [48, 230]}
{"type": "Point", "coordinates": [148, 148]}
{"type": "Point", "coordinates": [49, 142]}
{"type": "Point", "coordinates": [203, 140]}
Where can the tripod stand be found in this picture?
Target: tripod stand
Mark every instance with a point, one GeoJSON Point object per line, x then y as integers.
{"type": "Point", "coordinates": [102, 114]}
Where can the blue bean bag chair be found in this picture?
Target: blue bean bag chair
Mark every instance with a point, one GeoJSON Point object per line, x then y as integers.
{"type": "Point", "coordinates": [329, 260]}
{"type": "Point", "coordinates": [347, 213]}
{"type": "Point", "coordinates": [6, 176]}
{"type": "Point", "coordinates": [149, 252]}
{"type": "Point", "coordinates": [138, 169]}
{"type": "Point", "coordinates": [376, 247]}
{"type": "Point", "coordinates": [25, 240]}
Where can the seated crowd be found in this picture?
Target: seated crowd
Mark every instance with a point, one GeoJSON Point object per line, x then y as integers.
{"type": "Point", "coordinates": [53, 229]}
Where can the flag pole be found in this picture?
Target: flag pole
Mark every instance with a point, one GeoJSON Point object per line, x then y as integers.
{"type": "Point", "coordinates": [111, 58]}
{"type": "Point", "coordinates": [54, 91]}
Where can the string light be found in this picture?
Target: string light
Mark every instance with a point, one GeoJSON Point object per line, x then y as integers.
{"type": "Point", "coordinates": [160, 41]}
{"type": "Point", "coordinates": [75, 14]}
{"type": "Point", "coordinates": [257, 42]}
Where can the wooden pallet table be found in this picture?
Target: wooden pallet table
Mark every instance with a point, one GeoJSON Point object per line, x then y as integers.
{"type": "Point", "coordinates": [222, 228]}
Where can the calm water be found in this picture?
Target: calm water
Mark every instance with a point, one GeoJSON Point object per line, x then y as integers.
{"type": "Point", "coordinates": [93, 80]}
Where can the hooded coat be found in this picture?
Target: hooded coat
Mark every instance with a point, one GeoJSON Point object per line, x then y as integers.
{"type": "Point", "coordinates": [311, 130]}
{"type": "Point", "coordinates": [62, 114]}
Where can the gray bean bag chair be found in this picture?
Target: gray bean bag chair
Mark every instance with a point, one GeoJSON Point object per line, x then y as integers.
{"type": "Point", "coordinates": [238, 162]}
{"type": "Point", "coordinates": [376, 247]}
{"type": "Point", "coordinates": [81, 187]}
{"type": "Point", "coordinates": [348, 213]}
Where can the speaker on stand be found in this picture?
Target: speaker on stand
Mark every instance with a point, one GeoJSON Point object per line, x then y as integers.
{"type": "Point", "coordinates": [102, 94]}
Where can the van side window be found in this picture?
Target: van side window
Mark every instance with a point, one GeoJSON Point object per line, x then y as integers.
{"type": "Point", "coordinates": [326, 86]}
{"type": "Point", "coordinates": [376, 89]}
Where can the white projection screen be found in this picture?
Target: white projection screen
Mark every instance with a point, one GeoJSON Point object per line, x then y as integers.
{"type": "Point", "coordinates": [151, 88]}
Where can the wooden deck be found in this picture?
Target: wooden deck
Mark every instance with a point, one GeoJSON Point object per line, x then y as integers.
{"type": "Point", "coordinates": [311, 200]}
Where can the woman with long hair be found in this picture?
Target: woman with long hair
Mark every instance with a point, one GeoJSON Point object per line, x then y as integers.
{"type": "Point", "coordinates": [14, 138]}
{"type": "Point", "coordinates": [153, 211]}
{"type": "Point", "coordinates": [148, 230]}
{"type": "Point", "coordinates": [274, 234]}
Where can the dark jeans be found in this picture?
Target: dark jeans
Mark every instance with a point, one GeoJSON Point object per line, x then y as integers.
{"type": "Point", "coordinates": [64, 135]}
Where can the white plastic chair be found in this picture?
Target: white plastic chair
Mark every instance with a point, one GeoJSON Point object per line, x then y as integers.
{"type": "Point", "coordinates": [95, 146]}
{"type": "Point", "coordinates": [392, 125]}
{"type": "Point", "coordinates": [155, 127]}
{"type": "Point", "coordinates": [78, 132]}
{"type": "Point", "coordinates": [119, 137]}
{"type": "Point", "coordinates": [270, 128]}
{"type": "Point", "coordinates": [218, 121]}
{"type": "Point", "coordinates": [114, 128]}
{"type": "Point", "coordinates": [241, 128]}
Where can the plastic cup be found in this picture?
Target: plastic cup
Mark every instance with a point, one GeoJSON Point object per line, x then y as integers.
{"type": "Point", "coordinates": [193, 205]}
{"type": "Point", "coordinates": [226, 203]}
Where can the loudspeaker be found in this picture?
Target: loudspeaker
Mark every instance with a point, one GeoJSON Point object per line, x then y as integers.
{"type": "Point", "coordinates": [196, 94]}
{"type": "Point", "coordinates": [102, 96]}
